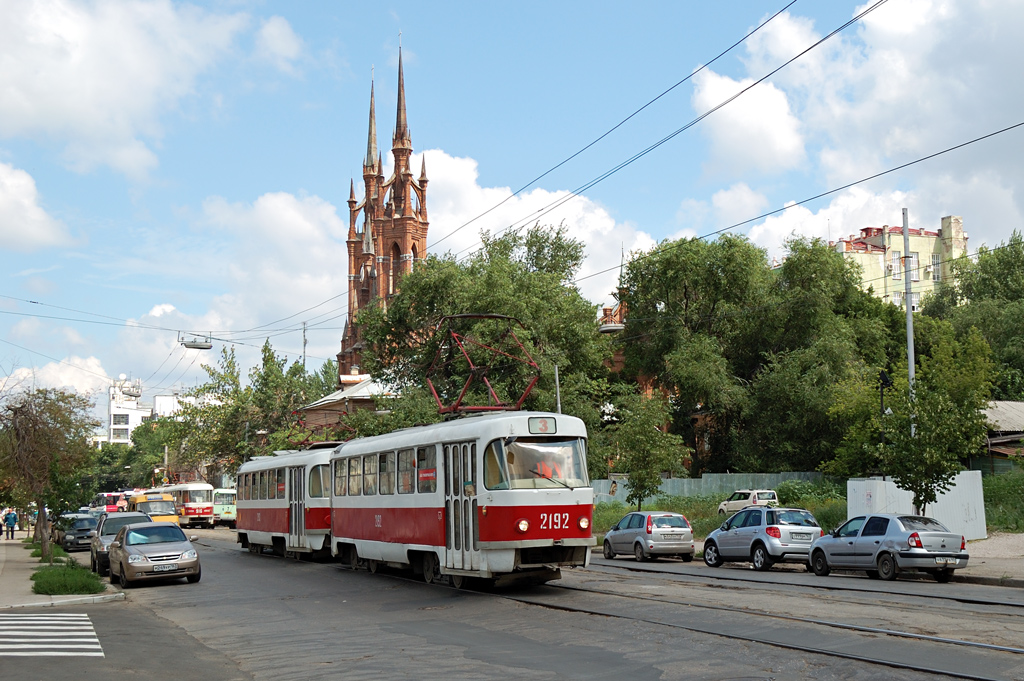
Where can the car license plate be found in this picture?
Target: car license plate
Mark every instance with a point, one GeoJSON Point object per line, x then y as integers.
{"type": "Point", "coordinates": [671, 536]}
{"type": "Point", "coordinates": [801, 535]}
{"type": "Point", "coordinates": [942, 560]}
{"type": "Point", "coordinates": [166, 567]}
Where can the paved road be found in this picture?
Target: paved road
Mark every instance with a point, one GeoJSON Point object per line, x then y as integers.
{"type": "Point", "coordinates": [260, 617]}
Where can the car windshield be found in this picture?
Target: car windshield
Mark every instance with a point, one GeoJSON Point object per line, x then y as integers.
{"type": "Point", "coordinates": [920, 524]}
{"type": "Point", "coordinates": [162, 507]}
{"type": "Point", "coordinates": [160, 534]}
{"type": "Point", "coordinates": [199, 496]}
{"type": "Point", "coordinates": [792, 517]}
{"type": "Point", "coordinates": [223, 499]}
{"type": "Point", "coordinates": [670, 521]}
{"type": "Point", "coordinates": [112, 525]}
{"type": "Point", "coordinates": [535, 463]}
{"type": "Point", "coordinates": [84, 524]}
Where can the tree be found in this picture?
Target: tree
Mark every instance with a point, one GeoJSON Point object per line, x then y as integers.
{"type": "Point", "coordinates": [645, 451]}
{"type": "Point", "coordinates": [44, 448]}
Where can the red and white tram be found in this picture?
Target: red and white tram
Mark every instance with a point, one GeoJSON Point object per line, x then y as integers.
{"type": "Point", "coordinates": [501, 496]}
{"type": "Point", "coordinates": [192, 500]}
{"type": "Point", "coordinates": [283, 502]}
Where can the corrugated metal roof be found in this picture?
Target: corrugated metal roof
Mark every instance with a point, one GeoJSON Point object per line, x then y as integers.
{"type": "Point", "coordinates": [364, 389]}
{"type": "Point", "coordinates": [1006, 416]}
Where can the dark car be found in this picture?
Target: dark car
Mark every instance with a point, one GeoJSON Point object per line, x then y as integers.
{"type": "Point", "coordinates": [71, 531]}
{"type": "Point", "coordinates": [884, 544]}
{"type": "Point", "coordinates": [99, 539]}
{"type": "Point", "coordinates": [146, 551]}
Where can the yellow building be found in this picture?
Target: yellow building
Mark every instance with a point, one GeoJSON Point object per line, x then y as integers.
{"type": "Point", "coordinates": [879, 252]}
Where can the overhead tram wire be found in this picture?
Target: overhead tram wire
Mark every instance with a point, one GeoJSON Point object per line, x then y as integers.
{"type": "Point", "coordinates": [826, 193]}
{"type": "Point", "coordinates": [54, 359]}
{"type": "Point", "coordinates": [541, 212]}
{"type": "Point", "coordinates": [613, 128]}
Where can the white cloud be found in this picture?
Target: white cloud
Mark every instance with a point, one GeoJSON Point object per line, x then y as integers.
{"type": "Point", "coordinates": [278, 44]}
{"type": "Point", "coordinates": [97, 76]}
{"type": "Point", "coordinates": [24, 225]}
{"type": "Point", "coordinates": [737, 203]}
{"type": "Point", "coordinates": [755, 132]}
{"type": "Point", "coordinates": [84, 375]}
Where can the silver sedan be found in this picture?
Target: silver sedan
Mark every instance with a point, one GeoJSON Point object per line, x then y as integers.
{"type": "Point", "coordinates": [648, 534]}
{"type": "Point", "coordinates": [885, 544]}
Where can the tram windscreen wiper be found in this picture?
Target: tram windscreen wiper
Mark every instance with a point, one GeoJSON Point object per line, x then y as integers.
{"type": "Point", "coordinates": [548, 477]}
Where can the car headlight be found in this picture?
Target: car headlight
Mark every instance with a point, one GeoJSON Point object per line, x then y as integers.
{"type": "Point", "coordinates": [136, 558]}
{"type": "Point", "coordinates": [189, 555]}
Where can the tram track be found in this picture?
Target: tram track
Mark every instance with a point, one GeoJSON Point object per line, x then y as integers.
{"type": "Point", "coordinates": [880, 646]}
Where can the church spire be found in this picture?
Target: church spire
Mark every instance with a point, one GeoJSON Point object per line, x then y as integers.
{"type": "Point", "coordinates": [371, 142]}
{"type": "Point", "coordinates": [401, 125]}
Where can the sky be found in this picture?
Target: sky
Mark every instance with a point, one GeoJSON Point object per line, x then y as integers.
{"type": "Point", "coordinates": [172, 170]}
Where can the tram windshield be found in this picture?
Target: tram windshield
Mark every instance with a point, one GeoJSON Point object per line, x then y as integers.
{"type": "Point", "coordinates": [535, 463]}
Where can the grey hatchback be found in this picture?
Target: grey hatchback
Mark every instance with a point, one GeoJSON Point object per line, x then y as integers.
{"type": "Point", "coordinates": [886, 543]}
{"type": "Point", "coordinates": [647, 534]}
{"type": "Point", "coordinates": [764, 536]}
{"type": "Point", "coordinates": [100, 538]}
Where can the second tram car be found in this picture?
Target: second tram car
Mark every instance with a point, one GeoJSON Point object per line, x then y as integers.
{"type": "Point", "coordinates": [503, 496]}
{"type": "Point", "coordinates": [283, 502]}
{"type": "Point", "coordinates": [192, 500]}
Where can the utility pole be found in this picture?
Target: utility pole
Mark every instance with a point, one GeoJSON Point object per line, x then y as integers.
{"type": "Point", "coordinates": [910, 316]}
{"type": "Point", "coordinates": [303, 347]}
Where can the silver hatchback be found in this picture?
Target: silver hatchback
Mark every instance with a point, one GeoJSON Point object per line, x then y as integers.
{"type": "Point", "coordinates": [763, 536]}
{"type": "Point", "coordinates": [885, 544]}
{"type": "Point", "coordinates": [648, 534]}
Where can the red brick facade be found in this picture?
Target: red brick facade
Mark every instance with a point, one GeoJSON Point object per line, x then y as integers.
{"type": "Point", "coordinates": [391, 235]}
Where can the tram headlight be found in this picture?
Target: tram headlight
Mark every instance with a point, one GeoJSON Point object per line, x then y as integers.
{"type": "Point", "coordinates": [584, 522]}
{"type": "Point", "coordinates": [523, 525]}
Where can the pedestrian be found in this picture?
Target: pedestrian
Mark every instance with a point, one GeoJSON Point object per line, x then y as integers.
{"type": "Point", "coordinates": [10, 520]}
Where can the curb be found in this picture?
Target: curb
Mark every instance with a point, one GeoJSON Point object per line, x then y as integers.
{"type": "Point", "coordinates": [75, 600]}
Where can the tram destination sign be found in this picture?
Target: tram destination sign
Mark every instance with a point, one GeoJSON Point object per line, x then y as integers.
{"type": "Point", "coordinates": [542, 425]}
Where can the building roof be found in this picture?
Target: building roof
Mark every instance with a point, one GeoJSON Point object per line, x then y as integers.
{"type": "Point", "coordinates": [365, 389]}
{"type": "Point", "coordinates": [1006, 416]}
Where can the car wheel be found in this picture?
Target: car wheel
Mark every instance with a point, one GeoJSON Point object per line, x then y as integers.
{"type": "Point", "coordinates": [819, 564]}
{"type": "Point", "coordinates": [638, 553]}
{"type": "Point", "coordinates": [608, 553]}
{"type": "Point", "coordinates": [687, 557]}
{"type": "Point", "coordinates": [429, 568]}
{"type": "Point", "coordinates": [887, 569]}
{"type": "Point", "coordinates": [711, 555]}
{"type": "Point", "coordinates": [943, 576]}
{"type": "Point", "coordinates": [760, 559]}
{"type": "Point", "coordinates": [872, 574]}
{"type": "Point", "coordinates": [125, 584]}
{"type": "Point", "coordinates": [192, 579]}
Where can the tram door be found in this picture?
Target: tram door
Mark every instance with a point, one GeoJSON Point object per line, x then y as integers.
{"type": "Point", "coordinates": [462, 538]}
{"type": "Point", "coordinates": [296, 507]}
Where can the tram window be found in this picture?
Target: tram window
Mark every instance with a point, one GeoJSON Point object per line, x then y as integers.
{"type": "Point", "coordinates": [262, 491]}
{"type": "Point", "coordinates": [340, 477]}
{"type": "Point", "coordinates": [248, 486]}
{"type": "Point", "coordinates": [494, 470]}
{"type": "Point", "coordinates": [244, 485]}
{"type": "Point", "coordinates": [387, 473]}
{"type": "Point", "coordinates": [280, 483]}
{"type": "Point", "coordinates": [426, 470]}
{"type": "Point", "coordinates": [370, 474]}
{"type": "Point", "coordinates": [317, 478]}
{"type": "Point", "coordinates": [355, 476]}
{"type": "Point", "coordinates": [406, 471]}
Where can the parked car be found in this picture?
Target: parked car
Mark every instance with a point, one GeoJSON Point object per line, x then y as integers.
{"type": "Point", "coordinates": [145, 551]}
{"type": "Point", "coordinates": [99, 539]}
{"type": "Point", "coordinates": [648, 534]}
{"type": "Point", "coordinates": [742, 498]}
{"type": "Point", "coordinates": [885, 544]}
{"type": "Point", "coordinates": [764, 536]}
{"type": "Point", "coordinates": [71, 530]}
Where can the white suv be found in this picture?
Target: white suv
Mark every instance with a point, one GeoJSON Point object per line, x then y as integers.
{"type": "Point", "coordinates": [742, 498]}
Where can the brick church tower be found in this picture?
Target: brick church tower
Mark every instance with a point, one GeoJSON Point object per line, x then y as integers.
{"type": "Point", "coordinates": [392, 235]}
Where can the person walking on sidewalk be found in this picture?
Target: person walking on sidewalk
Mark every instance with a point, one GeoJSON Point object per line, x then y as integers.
{"type": "Point", "coordinates": [10, 520]}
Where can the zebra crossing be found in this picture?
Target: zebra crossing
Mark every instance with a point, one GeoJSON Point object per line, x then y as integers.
{"type": "Point", "coordinates": [48, 635]}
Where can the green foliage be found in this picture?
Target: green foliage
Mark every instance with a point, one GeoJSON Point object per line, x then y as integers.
{"type": "Point", "coordinates": [1003, 494]}
{"type": "Point", "coordinates": [798, 492]}
{"type": "Point", "coordinates": [644, 450]}
{"type": "Point", "coordinates": [66, 578]}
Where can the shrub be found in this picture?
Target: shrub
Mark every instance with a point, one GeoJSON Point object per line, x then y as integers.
{"type": "Point", "coordinates": [66, 578]}
{"type": "Point", "coordinates": [1003, 494]}
{"type": "Point", "coordinates": [55, 550]}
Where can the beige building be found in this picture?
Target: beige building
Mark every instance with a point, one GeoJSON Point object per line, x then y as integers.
{"type": "Point", "coordinates": [879, 252]}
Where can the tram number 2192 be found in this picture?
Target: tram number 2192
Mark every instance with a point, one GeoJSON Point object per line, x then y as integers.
{"type": "Point", "coordinates": [554, 521]}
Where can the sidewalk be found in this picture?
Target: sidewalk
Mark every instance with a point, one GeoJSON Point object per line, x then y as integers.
{"type": "Point", "coordinates": [16, 568]}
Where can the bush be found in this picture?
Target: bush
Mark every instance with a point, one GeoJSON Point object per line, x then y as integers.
{"type": "Point", "coordinates": [1003, 495]}
{"type": "Point", "coordinates": [66, 578]}
{"type": "Point", "coordinates": [800, 493]}
{"type": "Point", "coordinates": [55, 550]}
